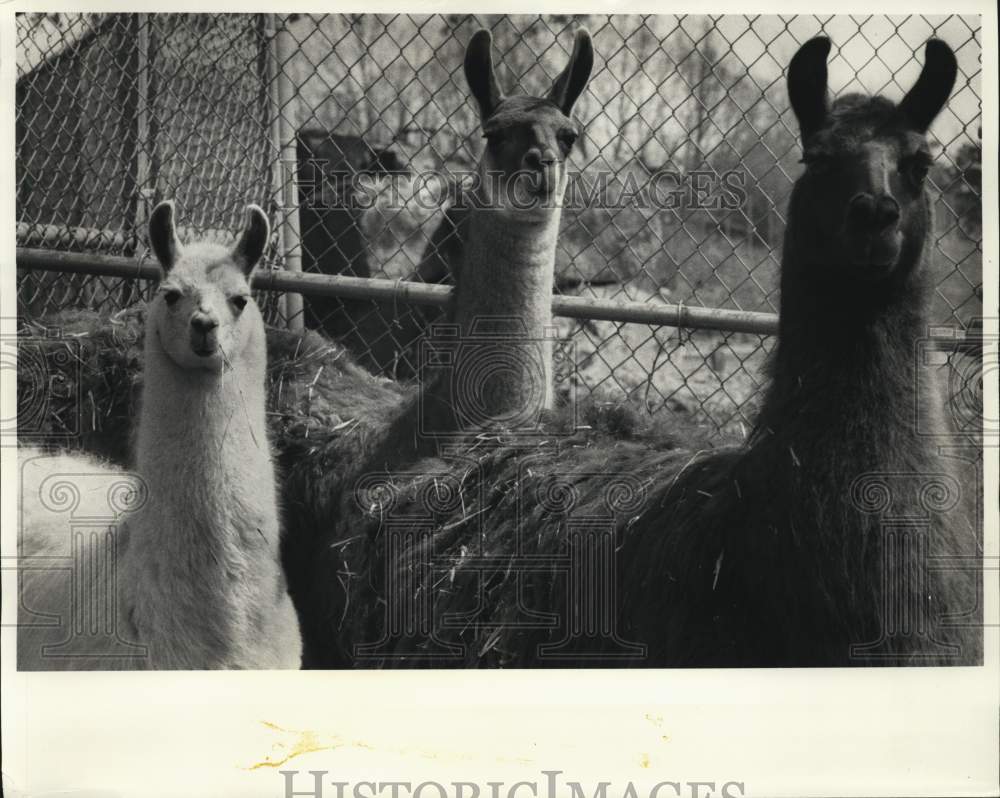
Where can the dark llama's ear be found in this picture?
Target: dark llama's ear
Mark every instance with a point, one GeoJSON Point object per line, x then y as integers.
{"type": "Point", "coordinates": [807, 85]}
{"type": "Point", "coordinates": [933, 88]}
{"type": "Point", "coordinates": [163, 235]}
{"type": "Point", "coordinates": [573, 79]}
{"type": "Point", "coordinates": [254, 240]}
{"type": "Point", "coordinates": [479, 73]}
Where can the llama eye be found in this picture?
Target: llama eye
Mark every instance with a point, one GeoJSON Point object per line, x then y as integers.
{"type": "Point", "coordinates": [916, 169]}
{"type": "Point", "coordinates": [171, 295]}
{"type": "Point", "coordinates": [239, 302]}
{"type": "Point", "coordinates": [567, 139]}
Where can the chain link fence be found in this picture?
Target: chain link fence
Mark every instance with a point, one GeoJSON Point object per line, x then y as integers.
{"type": "Point", "coordinates": [342, 126]}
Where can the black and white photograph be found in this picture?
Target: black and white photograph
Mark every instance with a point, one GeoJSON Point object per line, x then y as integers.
{"type": "Point", "coordinates": [451, 355]}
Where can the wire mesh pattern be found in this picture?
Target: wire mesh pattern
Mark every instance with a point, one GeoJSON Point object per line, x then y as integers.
{"type": "Point", "coordinates": [129, 110]}
{"type": "Point", "coordinates": [680, 178]}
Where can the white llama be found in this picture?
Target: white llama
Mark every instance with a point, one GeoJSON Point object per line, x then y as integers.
{"type": "Point", "coordinates": [194, 574]}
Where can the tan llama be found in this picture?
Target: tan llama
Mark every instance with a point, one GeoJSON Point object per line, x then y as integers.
{"type": "Point", "coordinates": [197, 581]}
{"type": "Point", "coordinates": [504, 279]}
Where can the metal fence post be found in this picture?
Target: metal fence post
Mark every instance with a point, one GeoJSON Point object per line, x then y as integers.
{"type": "Point", "coordinates": [282, 48]}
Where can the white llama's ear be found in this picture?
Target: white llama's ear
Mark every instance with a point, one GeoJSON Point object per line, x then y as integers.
{"type": "Point", "coordinates": [163, 235]}
{"type": "Point", "coordinates": [573, 79]}
{"type": "Point", "coordinates": [254, 239]}
{"type": "Point", "coordinates": [480, 75]}
{"type": "Point", "coordinates": [933, 88]}
{"type": "Point", "coordinates": [807, 85]}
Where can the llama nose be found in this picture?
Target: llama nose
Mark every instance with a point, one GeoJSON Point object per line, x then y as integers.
{"type": "Point", "coordinates": [887, 212]}
{"type": "Point", "coordinates": [874, 213]}
{"type": "Point", "coordinates": [536, 160]}
{"type": "Point", "coordinates": [203, 323]}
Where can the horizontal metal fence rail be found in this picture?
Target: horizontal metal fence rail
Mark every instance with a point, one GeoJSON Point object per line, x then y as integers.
{"type": "Point", "coordinates": [410, 293]}
{"type": "Point", "coordinates": [438, 296]}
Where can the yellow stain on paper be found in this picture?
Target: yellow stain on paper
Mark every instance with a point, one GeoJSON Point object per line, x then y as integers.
{"type": "Point", "coordinates": [301, 742]}
{"type": "Point", "coordinates": [305, 741]}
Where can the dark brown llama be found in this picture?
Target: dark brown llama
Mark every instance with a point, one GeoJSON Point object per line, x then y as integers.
{"type": "Point", "coordinates": [823, 541]}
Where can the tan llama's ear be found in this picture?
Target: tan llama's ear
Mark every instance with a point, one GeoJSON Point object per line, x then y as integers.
{"type": "Point", "coordinates": [933, 88]}
{"type": "Point", "coordinates": [573, 79]}
{"type": "Point", "coordinates": [254, 239]}
{"type": "Point", "coordinates": [163, 235]}
{"type": "Point", "coordinates": [480, 75]}
{"type": "Point", "coordinates": [807, 85]}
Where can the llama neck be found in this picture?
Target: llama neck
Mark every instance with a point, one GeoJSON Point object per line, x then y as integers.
{"type": "Point", "coordinates": [847, 417]}
{"type": "Point", "coordinates": [845, 375]}
{"type": "Point", "coordinates": [206, 543]}
{"type": "Point", "coordinates": [508, 269]}
{"type": "Point", "coordinates": [200, 428]}
{"type": "Point", "coordinates": [505, 293]}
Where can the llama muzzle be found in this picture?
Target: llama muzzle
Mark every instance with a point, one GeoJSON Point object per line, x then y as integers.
{"type": "Point", "coordinates": [872, 228]}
